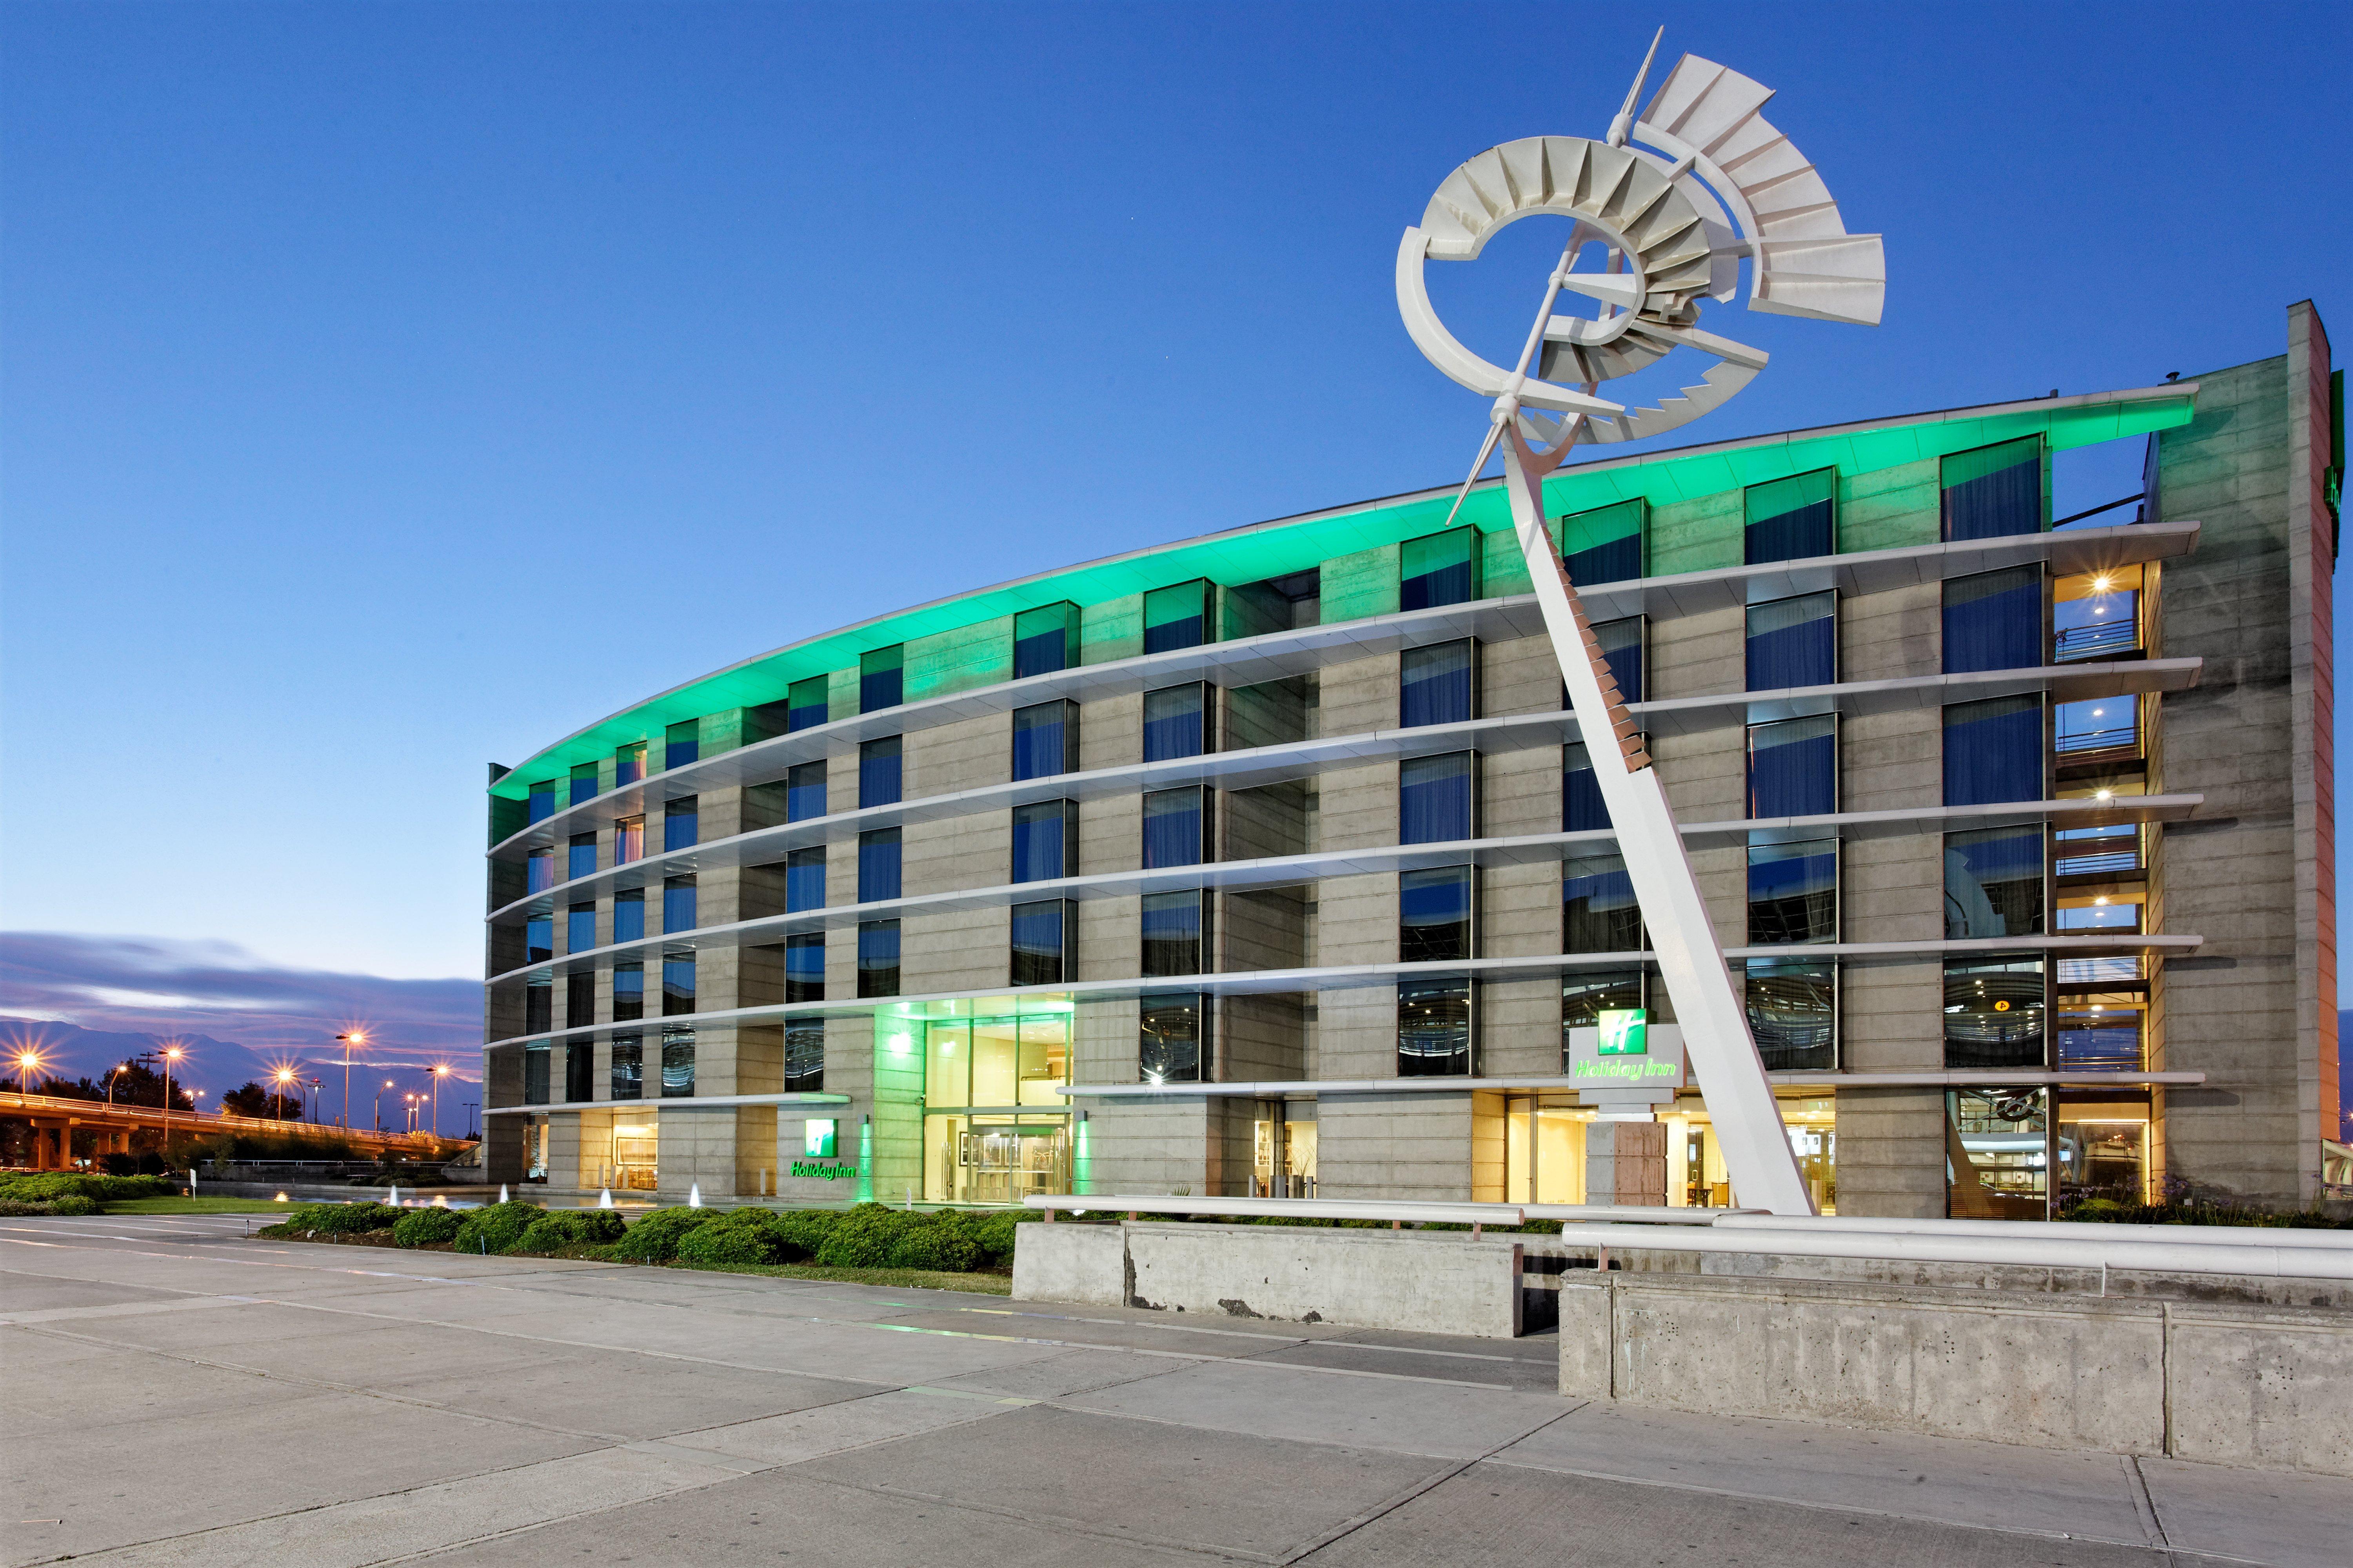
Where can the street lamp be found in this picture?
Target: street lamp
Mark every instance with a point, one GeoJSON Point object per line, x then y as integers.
{"type": "Point", "coordinates": [170, 1054]}
{"type": "Point", "coordinates": [379, 1105]}
{"type": "Point", "coordinates": [26, 1062]}
{"type": "Point", "coordinates": [284, 1076]}
{"type": "Point", "coordinates": [356, 1037]}
{"type": "Point", "coordinates": [119, 1069]}
{"type": "Point", "coordinates": [314, 1101]}
{"type": "Point", "coordinates": [440, 1072]}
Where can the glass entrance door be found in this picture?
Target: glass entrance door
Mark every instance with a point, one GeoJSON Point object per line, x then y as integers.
{"type": "Point", "coordinates": [994, 1128]}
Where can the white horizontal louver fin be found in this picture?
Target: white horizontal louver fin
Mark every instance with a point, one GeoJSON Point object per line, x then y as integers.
{"type": "Point", "coordinates": [1841, 278]}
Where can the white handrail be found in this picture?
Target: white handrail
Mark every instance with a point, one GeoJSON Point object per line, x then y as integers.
{"type": "Point", "coordinates": [1433, 1213]}
{"type": "Point", "coordinates": [2068, 1230]}
{"type": "Point", "coordinates": [2051, 1252]}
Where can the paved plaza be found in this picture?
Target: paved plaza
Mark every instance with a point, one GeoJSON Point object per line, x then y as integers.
{"type": "Point", "coordinates": [178, 1393]}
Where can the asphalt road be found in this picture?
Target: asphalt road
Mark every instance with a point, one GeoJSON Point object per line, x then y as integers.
{"type": "Point", "coordinates": [177, 1394]}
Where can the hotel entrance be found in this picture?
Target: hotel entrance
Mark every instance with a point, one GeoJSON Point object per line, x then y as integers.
{"type": "Point", "coordinates": [995, 1127]}
{"type": "Point", "coordinates": [634, 1147]}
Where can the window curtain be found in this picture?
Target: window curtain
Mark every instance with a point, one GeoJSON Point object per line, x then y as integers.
{"type": "Point", "coordinates": [1621, 648]}
{"type": "Point", "coordinates": [1045, 639]}
{"type": "Point", "coordinates": [878, 865]}
{"type": "Point", "coordinates": [878, 958]}
{"type": "Point", "coordinates": [805, 880]}
{"type": "Point", "coordinates": [1434, 799]}
{"type": "Point", "coordinates": [1793, 642]}
{"type": "Point", "coordinates": [1792, 519]}
{"type": "Point", "coordinates": [1177, 617]}
{"type": "Point", "coordinates": [1440, 569]}
{"type": "Point", "coordinates": [1174, 829]}
{"type": "Point", "coordinates": [1043, 836]}
{"type": "Point", "coordinates": [1605, 544]}
{"type": "Point", "coordinates": [879, 778]}
{"type": "Point", "coordinates": [1793, 768]}
{"type": "Point", "coordinates": [1994, 491]}
{"type": "Point", "coordinates": [1434, 915]}
{"type": "Point", "coordinates": [1994, 621]}
{"type": "Point", "coordinates": [1435, 685]}
{"type": "Point", "coordinates": [1993, 882]}
{"type": "Point", "coordinates": [806, 703]}
{"type": "Point", "coordinates": [1172, 933]}
{"type": "Point", "coordinates": [882, 678]}
{"type": "Point", "coordinates": [1042, 734]}
{"type": "Point", "coordinates": [1993, 751]}
{"type": "Point", "coordinates": [1038, 936]}
{"type": "Point", "coordinates": [1175, 723]}
{"type": "Point", "coordinates": [1581, 807]}
{"type": "Point", "coordinates": [805, 792]}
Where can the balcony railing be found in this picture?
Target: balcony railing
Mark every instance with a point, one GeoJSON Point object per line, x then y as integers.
{"type": "Point", "coordinates": [2101, 639]}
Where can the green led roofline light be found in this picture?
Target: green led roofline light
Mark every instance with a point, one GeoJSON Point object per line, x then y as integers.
{"type": "Point", "coordinates": [1260, 550]}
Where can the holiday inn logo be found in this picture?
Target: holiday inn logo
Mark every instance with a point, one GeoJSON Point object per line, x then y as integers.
{"type": "Point", "coordinates": [1625, 1031]}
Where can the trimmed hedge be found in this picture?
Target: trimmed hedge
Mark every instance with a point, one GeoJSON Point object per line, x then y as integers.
{"type": "Point", "coordinates": [742, 1236]}
{"type": "Point", "coordinates": [654, 1237]}
{"type": "Point", "coordinates": [556, 1229]}
{"type": "Point", "coordinates": [428, 1227]}
{"type": "Point", "coordinates": [74, 1204]}
{"type": "Point", "coordinates": [494, 1227]}
{"type": "Point", "coordinates": [50, 1185]}
{"type": "Point", "coordinates": [341, 1219]}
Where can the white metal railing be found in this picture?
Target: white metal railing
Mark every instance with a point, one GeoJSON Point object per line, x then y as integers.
{"type": "Point", "coordinates": [1397, 1212]}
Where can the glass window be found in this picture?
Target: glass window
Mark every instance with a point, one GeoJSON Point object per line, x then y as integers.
{"type": "Point", "coordinates": [1793, 767]}
{"type": "Point", "coordinates": [678, 984]}
{"type": "Point", "coordinates": [2100, 1031]}
{"type": "Point", "coordinates": [1604, 545]}
{"type": "Point", "coordinates": [1434, 799]}
{"type": "Point", "coordinates": [878, 865]}
{"type": "Point", "coordinates": [1994, 621]}
{"type": "Point", "coordinates": [1588, 993]}
{"type": "Point", "coordinates": [1435, 684]}
{"type": "Point", "coordinates": [1994, 491]}
{"type": "Point", "coordinates": [1039, 931]}
{"type": "Point", "coordinates": [1438, 569]}
{"type": "Point", "coordinates": [579, 999]}
{"type": "Point", "coordinates": [1793, 892]}
{"type": "Point", "coordinates": [628, 991]}
{"type": "Point", "coordinates": [1993, 882]}
{"type": "Point", "coordinates": [1621, 648]}
{"type": "Point", "coordinates": [805, 880]}
{"type": "Point", "coordinates": [677, 903]}
{"type": "Point", "coordinates": [628, 840]}
{"type": "Point", "coordinates": [804, 1056]}
{"type": "Point", "coordinates": [1176, 723]}
{"type": "Point", "coordinates": [579, 1070]}
{"type": "Point", "coordinates": [1173, 1038]}
{"type": "Point", "coordinates": [882, 678]}
{"type": "Point", "coordinates": [806, 703]}
{"type": "Point", "coordinates": [681, 818]}
{"type": "Point", "coordinates": [1175, 828]}
{"type": "Point", "coordinates": [1792, 519]}
{"type": "Point", "coordinates": [1793, 1013]}
{"type": "Point", "coordinates": [681, 744]}
{"type": "Point", "coordinates": [1433, 1028]}
{"type": "Point", "coordinates": [878, 958]}
{"type": "Point", "coordinates": [1045, 639]}
{"type": "Point", "coordinates": [1177, 617]}
{"type": "Point", "coordinates": [541, 802]}
{"type": "Point", "coordinates": [1581, 807]}
{"type": "Point", "coordinates": [538, 1006]}
{"type": "Point", "coordinates": [2111, 849]}
{"type": "Point", "coordinates": [1045, 739]}
{"type": "Point", "coordinates": [2096, 615]}
{"type": "Point", "coordinates": [629, 915]}
{"type": "Point", "coordinates": [584, 783]}
{"type": "Point", "coordinates": [1045, 840]}
{"type": "Point", "coordinates": [535, 1074]}
{"type": "Point", "coordinates": [1994, 1012]}
{"type": "Point", "coordinates": [538, 870]}
{"type": "Point", "coordinates": [678, 1064]}
{"type": "Point", "coordinates": [1175, 933]}
{"type": "Point", "coordinates": [538, 939]}
{"type": "Point", "coordinates": [1599, 912]}
{"type": "Point", "coordinates": [1998, 1166]}
{"type": "Point", "coordinates": [1793, 642]}
{"type": "Point", "coordinates": [804, 968]}
{"type": "Point", "coordinates": [580, 928]}
{"type": "Point", "coordinates": [805, 792]}
{"type": "Point", "coordinates": [581, 860]}
{"type": "Point", "coordinates": [1993, 751]}
{"type": "Point", "coordinates": [629, 763]}
{"type": "Point", "coordinates": [2114, 914]}
{"type": "Point", "coordinates": [880, 774]}
{"type": "Point", "coordinates": [2096, 730]}
{"type": "Point", "coordinates": [629, 1066]}
{"type": "Point", "coordinates": [1434, 915]}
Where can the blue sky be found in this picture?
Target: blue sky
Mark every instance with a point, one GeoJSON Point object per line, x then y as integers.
{"type": "Point", "coordinates": [389, 389]}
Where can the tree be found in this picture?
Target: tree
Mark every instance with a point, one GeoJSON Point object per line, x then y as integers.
{"type": "Point", "coordinates": [260, 1101]}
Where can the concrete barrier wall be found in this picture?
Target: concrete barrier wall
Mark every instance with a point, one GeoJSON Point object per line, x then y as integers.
{"type": "Point", "coordinates": [1082, 1263]}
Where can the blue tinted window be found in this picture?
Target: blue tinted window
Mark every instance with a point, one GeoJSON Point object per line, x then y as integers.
{"type": "Point", "coordinates": [1993, 751]}
{"type": "Point", "coordinates": [539, 939]}
{"type": "Point", "coordinates": [1793, 1013]}
{"type": "Point", "coordinates": [805, 792]}
{"type": "Point", "coordinates": [878, 958]}
{"type": "Point", "coordinates": [1994, 491]}
{"type": "Point", "coordinates": [1434, 915]}
{"type": "Point", "coordinates": [1793, 767]}
{"type": "Point", "coordinates": [1434, 799]}
{"type": "Point", "coordinates": [1599, 910]}
{"type": "Point", "coordinates": [1793, 642]}
{"type": "Point", "coordinates": [629, 764]}
{"type": "Point", "coordinates": [535, 1059]}
{"type": "Point", "coordinates": [1176, 723]}
{"type": "Point", "coordinates": [1044, 737]}
{"type": "Point", "coordinates": [805, 703]}
{"type": "Point", "coordinates": [878, 865]}
{"type": "Point", "coordinates": [1581, 807]}
{"type": "Point", "coordinates": [1037, 935]}
{"type": "Point", "coordinates": [1793, 892]}
{"type": "Point", "coordinates": [879, 777]}
{"type": "Point", "coordinates": [804, 968]}
{"type": "Point", "coordinates": [1621, 648]}
{"type": "Point", "coordinates": [881, 680]}
{"type": "Point", "coordinates": [1044, 839]}
{"type": "Point", "coordinates": [580, 929]}
{"type": "Point", "coordinates": [1433, 1028]}
{"type": "Point", "coordinates": [628, 991]}
{"type": "Point", "coordinates": [1604, 545]}
{"type": "Point", "coordinates": [680, 820]}
{"type": "Point", "coordinates": [805, 880]}
{"type": "Point", "coordinates": [1177, 617]}
{"type": "Point", "coordinates": [538, 870]}
{"type": "Point", "coordinates": [1045, 639]}
{"type": "Point", "coordinates": [1174, 828]}
{"type": "Point", "coordinates": [1994, 621]}
{"type": "Point", "coordinates": [1993, 881]}
{"type": "Point", "coordinates": [1441, 569]}
{"type": "Point", "coordinates": [1792, 519]}
{"type": "Point", "coordinates": [1172, 933]}
{"type": "Point", "coordinates": [678, 1064]}
{"type": "Point", "coordinates": [678, 986]}
{"type": "Point", "coordinates": [542, 802]}
{"type": "Point", "coordinates": [584, 783]}
{"type": "Point", "coordinates": [682, 743]}
{"type": "Point", "coordinates": [581, 856]}
{"type": "Point", "coordinates": [1435, 685]}
{"type": "Point", "coordinates": [1173, 1038]}
{"type": "Point", "coordinates": [677, 904]}
{"type": "Point", "coordinates": [629, 916]}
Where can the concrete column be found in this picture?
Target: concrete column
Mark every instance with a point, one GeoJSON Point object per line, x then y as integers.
{"type": "Point", "coordinates": [1626, 1162]}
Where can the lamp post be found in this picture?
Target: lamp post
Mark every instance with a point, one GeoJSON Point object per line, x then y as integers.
{"type": "Point", "coordinates": [284, 1076]}
{"type": "Point", "coordinates": [26, 1062]}
{"type": "Point", "coordinates": [379, 1105]}
{"type": "Point", "coordinates": [439, 1072]}
{"type": "Point", "coordinates": [170, 1054]}
{"type": "Point", "coordinates": [356, 1037]}
{"type": "Point", "coordinates": [119, 1069]}
{"type": "Point", "coordinates": [314, 1101]}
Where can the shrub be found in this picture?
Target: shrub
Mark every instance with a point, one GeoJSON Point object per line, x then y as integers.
{"type": "Point", "coordinates": [12, 1208]}
{"type": "Point", "coordinates": [559, 1229]}
{"type": "Point", "coordinates": [120, 1165]}
{"type": "Point", "coordinates": [50, 1185]}
{"type": "Point", "coordinates": [494, 1227]}
{"type": "Point", "coordinates": [654, 1237]}
{"type": "Point", "coordinates": [740, 1238]}
{"type": "Point", "coordinates": [872, 1237]}
{"type": "Point", "coordinates": [74, 1204]}
{"type": "Point", "coordinates": [798, 1234]}
{"type": "Point", "coordinates": [990, 1230]}
{"type": "Point", "coordinates": [351, 1219]}
{"type": "Point", "coordinates": [428, 1227]}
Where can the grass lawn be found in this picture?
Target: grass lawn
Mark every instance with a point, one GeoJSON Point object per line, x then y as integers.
{"type": "Point", "coordinates": [200, 1205]}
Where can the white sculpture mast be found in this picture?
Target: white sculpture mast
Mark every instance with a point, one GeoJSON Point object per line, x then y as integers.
{"type": "Point", "coordinates": [1717, 184]}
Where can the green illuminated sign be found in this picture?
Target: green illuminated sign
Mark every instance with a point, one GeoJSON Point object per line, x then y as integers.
{"type": "Point", "coordinates": [816, 1139]}
{"type": "Point", "coordinates": [1624, 1033]}
{"type": "Point", "coordinates": [823, 1169]}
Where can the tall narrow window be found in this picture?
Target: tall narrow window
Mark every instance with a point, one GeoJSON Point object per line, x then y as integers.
{"type": "Point", "coordinates": [678, 984]}
{"type": "Point", "coordinates": [678, 1064]}
{"type": "Point", "coordinates": [1434, 799]}
{"type": "Point", "coordinates": [1793, 642]}
{"type": "Point", "coordinates": [1434, 915]}
{"type": "Point", "coordinates": [1793, 1013]}
{"type": "Point", "coordinates": [1045, 739]}
{"type": "Point", "coordinates": [1792, 519]}
{"type": "Point", "coordinates": [882, 678]}
{"type": "Point", "coordinates": [1793, 767]}
{"type": "Point", "coordinates": [804, 1056]}
{"type": "Point", "coordinates": [629, 764]}
{"type": "Point", "coordinates": [1604, 545]}
{"type": "Point", "coordinates": [579, 999]}
{"type": "Point", "coordinates": [1045, 639]}
{"type": "Point", "coordinates": [681, 744]}
{"type": "Point", "coordinates": [629, 915]}
{"type": "Point", "coordinates": [1435, 684]}
{"type": "Point", "coordinates": [1599, 911]}
{"type": "Point", "coordinates": [1993, 751]}
{"type": "Point", "coordinates": [878, 958]}
{"type": "Point", "coordinates": [584, 784]}
{"type": "Point", "coordinates": [806, 703]}
{"type": "Point", "coordinates": [1994, 621]}
{"type": "Point", "coordinates": [1994, 491]}
{"type": "Point", "coordinates": [628, 993]}
{"type": "Point", "coordinates": [541, 801]}
{"type": "Point", "coordinates": [581, 858]}
{"type": "Point", "coordinates": [1438, 569]}
{"type": "Point", "coordinates": [538, 1006]}
{"type": "Point", "coordinates": [539, 939]}
{"type": "Point", "coordinates": [1793, 892]}
{"type": "Point", "coordinates": [1581, 807]}
{"type": "Point", "coordinates": [1175, 828]}
{"type": "Point", "coordinates": [1621, 648]}
{"type": "Point", "coordinates": [1045, 840]}
{"type": "Point", "coordinates": [1993, 882]}
{"type": "Point", "coordinates": [879, 771]}
{"type": "Point", "coordinates": [677, 904]}
{"type": "Point", "coordinates": [629, 1066]}
{"type": "Point", "coordinates": [535, 1074]}
{"type": "Point", "coordinates": [805, 792]}
{"type": "Point", "coordinates": [1040, 932]}
{"type": "Point", "coordinates": [1176, 723]}
{"type": "Point", "coordinates": [1173, 1038]}
{"type": "Point", "coordinates": [878, 865]}
{"type": "Point", "coordinates": [1177, 617]}
{"type": "Point", "coordinates": [804, 968]}
{"type": "Point", "coordinates": [579, 1070]}
{"type": "Point", "coordinates": [1433, 1028]}
{"type": "Point", "coordinates": [580, 928]}
{"type": "Point", "coordinates": [2000, 1138]}
{"type": "Point", "coordinates": [805, 880]}
{"type": "Point", "coordinates": [1175, 933]}
{"type": "Point", "coordinates": [1995, 1013]}
{"type": "Point", "coordinates": [680, 823]}
{"type": "Point", "coordinates": [539, 871]}
{"type": "Point", "coordinates": [628, 840]}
